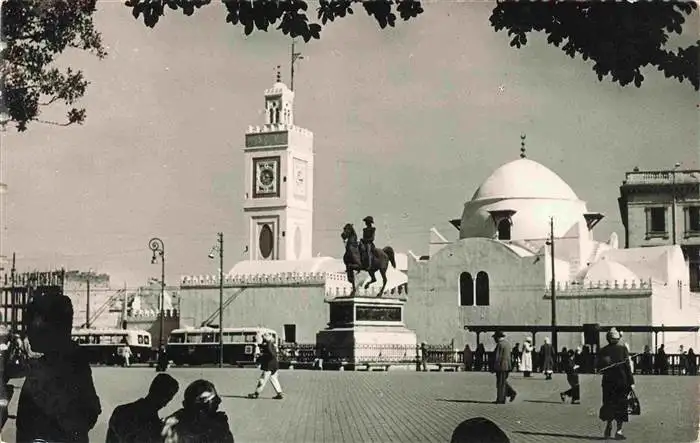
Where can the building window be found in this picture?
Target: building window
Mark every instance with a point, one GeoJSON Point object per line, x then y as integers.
{"type": "Point", "coordinates": [692, 219]}
{"type": "Point", "coordinates": [482, 289]}
{"type": "Point", "coordinates": [504, 229]}
{"type": "Point", "coordinates": [466, 289]}
{"type": "Point", "coordinates": [656, 220]}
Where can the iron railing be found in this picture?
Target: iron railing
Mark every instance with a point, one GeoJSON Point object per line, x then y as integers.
{"type": "Point", "coordinates": [307, 354]}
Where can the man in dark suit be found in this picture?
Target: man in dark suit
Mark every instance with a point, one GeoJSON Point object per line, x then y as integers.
{"type": "Point", "coordinates": [502, 366]}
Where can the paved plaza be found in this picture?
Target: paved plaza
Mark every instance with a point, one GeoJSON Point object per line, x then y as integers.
{"type": "Point", "coordinates": [405, 406]}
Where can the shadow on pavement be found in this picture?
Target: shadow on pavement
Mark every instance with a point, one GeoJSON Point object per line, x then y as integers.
{"type": "Point", "coordinates": [245, 397]}
{"type": "Point", "coordinates": [550, 402]}
{"type": "Point", "coordinates": [551, 434]}
{"type": "Point", "coordinates": [480, 402]}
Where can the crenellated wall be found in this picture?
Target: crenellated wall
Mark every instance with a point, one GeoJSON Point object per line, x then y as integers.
{"type": "Point", "coordinates": [269, 305]}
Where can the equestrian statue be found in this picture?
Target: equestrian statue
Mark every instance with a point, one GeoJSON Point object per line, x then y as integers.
{"type": "Point", "coordinates": [363, 256]}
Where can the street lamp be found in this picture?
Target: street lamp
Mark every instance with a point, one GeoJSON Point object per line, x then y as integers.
{"type": "Point", "coordinates": [156, 245]}
{"type": "Point", "coordinates": [220, 248]}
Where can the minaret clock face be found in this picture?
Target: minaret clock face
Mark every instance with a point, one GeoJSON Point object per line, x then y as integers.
{"type": "Point", "coordinates": [266, 180]}
{"type": "Point", "coordinates": [300, 178]}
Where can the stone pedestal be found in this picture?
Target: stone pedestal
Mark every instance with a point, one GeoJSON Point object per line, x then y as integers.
{"type": "Point", "coordinates": [367, 331]}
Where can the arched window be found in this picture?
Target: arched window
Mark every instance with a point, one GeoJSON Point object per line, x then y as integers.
{"type": "Point", "coordinates": [466, 289]}
{"type": "Point", "coordinates": [504, 229]}
{"type": "Point", "coordinates": [482, 289]}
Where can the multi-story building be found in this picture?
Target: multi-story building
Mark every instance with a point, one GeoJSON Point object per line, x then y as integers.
{"type": "Point", "coordinates": [663, 208]}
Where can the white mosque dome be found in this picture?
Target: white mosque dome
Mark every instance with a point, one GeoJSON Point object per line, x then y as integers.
{"type": "Point", "coordinates": [606, 270]}
{"type": "Point", "coordinates": [527, 194]}
{"type": "Point", "coordinates": [524, 178]}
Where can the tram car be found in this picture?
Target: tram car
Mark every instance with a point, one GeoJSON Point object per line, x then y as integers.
{"type": "Point", "coordinates": [200, 346]}
{"type": "Point", "coordinates": [103, 346]}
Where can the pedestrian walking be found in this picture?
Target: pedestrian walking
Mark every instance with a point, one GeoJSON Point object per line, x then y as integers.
{"type": "Point", "coordinates": [617, 383]}
{"type": "Point", "coordinates": [424, 356]}
{"type": "Point", "coordinates": [162, 359]}
{"type": "Point", "coordinates": [515, 356]}
{"type": "Point", "coordinates": [502, 367]}
{"type": "Point", "coordinates": [547, 358]}
{"type": "Point", "coordinates": [270, 367]}
{"type": "Point", "coordinates": [571, 370]}
{"type": "Point", "coordinates": [526, 358]}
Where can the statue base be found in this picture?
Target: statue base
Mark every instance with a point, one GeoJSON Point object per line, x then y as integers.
{"type": "Point", "coordinates": [367, 333]}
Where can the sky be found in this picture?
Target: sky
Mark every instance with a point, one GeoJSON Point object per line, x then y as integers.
{"type": "Point", "coordinates": [407, 123]}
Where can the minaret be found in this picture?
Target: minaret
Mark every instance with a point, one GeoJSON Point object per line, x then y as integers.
{"type": "Point", "coordinates": [278, 204]}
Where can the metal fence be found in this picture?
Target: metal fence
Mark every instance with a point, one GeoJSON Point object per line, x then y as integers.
{"type": "Point", "coordinates": [308, 354]}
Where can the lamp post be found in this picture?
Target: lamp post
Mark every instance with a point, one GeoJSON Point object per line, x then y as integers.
{"type": "Point", "coordinates": [156, 245]}
{"type": "Point", "coordinates": [220, 248]}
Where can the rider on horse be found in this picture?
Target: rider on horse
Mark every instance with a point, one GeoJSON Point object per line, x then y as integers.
{"type": "Point", "coordinates": [368, 242]}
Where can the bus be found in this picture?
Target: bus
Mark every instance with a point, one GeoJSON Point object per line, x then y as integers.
{"type": "Point", "coordinates": [102, 345]}
{"type": "Point", "coordinates": [200, 346]}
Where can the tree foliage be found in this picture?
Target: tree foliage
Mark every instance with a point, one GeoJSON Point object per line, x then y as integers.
{"type": "Point", "coordinates": [620, 38]}
{"type": "Point", "coordinates": [35, 32]}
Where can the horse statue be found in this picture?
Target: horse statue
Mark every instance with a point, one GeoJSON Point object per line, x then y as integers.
{"type": "Point", "coordinates": [353, 262]}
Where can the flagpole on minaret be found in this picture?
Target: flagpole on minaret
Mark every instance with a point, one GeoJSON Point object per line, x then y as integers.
{"type": "Point", "coordinates": [295, 56]}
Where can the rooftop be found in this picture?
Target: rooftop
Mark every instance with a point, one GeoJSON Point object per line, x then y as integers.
{"type": "Point", "coordinates": [662, 177]}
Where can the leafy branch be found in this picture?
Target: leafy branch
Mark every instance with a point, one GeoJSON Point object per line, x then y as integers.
{"type": "Point", "coordinates": [35, 32]}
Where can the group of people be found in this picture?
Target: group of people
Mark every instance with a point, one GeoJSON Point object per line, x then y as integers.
{"type": "Point", "coordinates": [658, 363]}
{"type": "Point", "coordinates": [614, 363]}
{"type": "Point", "coordinates": [199, 419]}
{"type": "Point", "coordinates": [58, 401]}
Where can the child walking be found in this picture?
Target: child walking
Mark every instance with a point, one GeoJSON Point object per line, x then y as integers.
{"type": "Point", "coordinates": [571, 369]}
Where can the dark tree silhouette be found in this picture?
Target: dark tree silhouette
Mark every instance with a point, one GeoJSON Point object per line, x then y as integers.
{"type": "Point", "coordinates": [34, 33]}
{"type": "Point", "coordinates": [619, 38]}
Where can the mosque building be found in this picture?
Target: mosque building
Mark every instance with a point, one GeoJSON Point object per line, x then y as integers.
{"type": "Point", "coordinates": [281, 285]}
{"type": "Point", "coordinates": [498, 271]}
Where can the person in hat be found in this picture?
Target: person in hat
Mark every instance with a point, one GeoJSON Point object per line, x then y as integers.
{"type": "Point", "coordinates": [199, 419]}
{"type": "Point", "coordinates": [526, 357]}
{"type": "Point", "coordinates": [618, 381]}
{"type": "Point", "coordinates": [368, 241]}
{"type": "Point", "coordinates": [502, 367]}
{"type": "Point", "coordinates": [58, 402]}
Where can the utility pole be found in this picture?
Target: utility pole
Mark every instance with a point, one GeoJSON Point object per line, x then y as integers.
{"type": "Point", "coordinates": [554, 286]}
{"type": "Point", "coordinates": [87, 304]}
{"type": "Point", "coordinates": [221, 299]}
{"type": "Point", "coordinates": [13, 296]}
{"type": "Point", "coordinates": [295, 56]}
{"type": "Point", "coordinates": [125, 300]}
